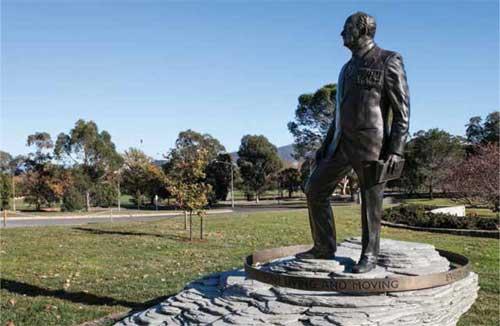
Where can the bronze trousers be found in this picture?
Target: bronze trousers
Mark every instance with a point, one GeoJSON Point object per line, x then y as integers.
{"type": "Point", "coordinates": [324, 177]}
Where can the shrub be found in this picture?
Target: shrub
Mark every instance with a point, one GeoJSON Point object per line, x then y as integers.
{"type": "Point", "coordinates": [420, 215]}
{"type": "Point", "coordinates": [73, 200]}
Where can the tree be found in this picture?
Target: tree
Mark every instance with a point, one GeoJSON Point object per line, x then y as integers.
{"type": "Point", "coordinates": [474, 130]}
{"type": "Point", "coordinates": [412, 178]}
{"type": "Point", "coordinates": [186, 181]}
{"type": "Point", "coordinates": [488, 132]}
{"type": "Point", "coordinates": [5, 159]}
{"type": "Point", "coordinates": [289, 179]}
{"type": "Point", "coordinates": [313, 118]}
{"type": "Point", "coordinates": [140, 177]}
{"type": "Point", "coordinates": [492, 127]}
{"type": "Point", "coordinates": [218, 176]}
{"type": "Point", "coordinates": [91, 150]}
{"type": "Point", "coordinates": [476, 180]}
{"type": "Point", "coordinates": [11, 166]}
{"type": "Point", "coordinates": [195, 140]}
{"type": "Point", "coordinates": [258, 161]}
{"type": "Point", "coordinates": [428, 155]}
{"type": "Point", "coordinates": [42, 182]}
{"type": "Point", "coordinates": [5, 190]}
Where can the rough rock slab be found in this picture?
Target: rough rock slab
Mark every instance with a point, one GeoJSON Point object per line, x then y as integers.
{"type": "Point", "coordinates": [229, 298]}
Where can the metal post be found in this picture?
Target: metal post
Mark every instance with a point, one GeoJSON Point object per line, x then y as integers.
{"type": "Point", "coordinates": [232, 186]}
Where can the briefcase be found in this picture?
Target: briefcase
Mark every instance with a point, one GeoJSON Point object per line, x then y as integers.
{"type": "Point", "coordinates": [378, 171]}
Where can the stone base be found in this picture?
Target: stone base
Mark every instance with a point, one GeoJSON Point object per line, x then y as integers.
{"type": "Point", "coordinates": [229, 298]}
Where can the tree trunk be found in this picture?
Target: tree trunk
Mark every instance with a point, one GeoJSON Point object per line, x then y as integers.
{"type": "Point", "coordinates": [290, 191]}
{"type": "Point", "coordinates": [201, 226]}
{"type": "Point", "coordinates": [190, 226]}
{"type": "Point", "coordinates": [257, 198]}
{"type": "Point", "coordinates": [431, 193]}
{"type": "Point", "coordinates": [185, 220]}
{"type": "Point", "coordinates": [344, 185]}
{"type": "Point", "coordinates": [87, 200]}
{"type": "Point", "coordinates": [351, 190]}
{"type": "Point", "coordinates": [13, 194]}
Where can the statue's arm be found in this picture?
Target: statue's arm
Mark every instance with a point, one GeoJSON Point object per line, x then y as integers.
{"type": "Point", "coordinates": [328, 139]}
{"type": "Point", "coordinates": [399, 99]}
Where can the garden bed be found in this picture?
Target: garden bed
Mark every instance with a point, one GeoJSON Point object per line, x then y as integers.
{"type": "Point", "coordinates": [420, 216]}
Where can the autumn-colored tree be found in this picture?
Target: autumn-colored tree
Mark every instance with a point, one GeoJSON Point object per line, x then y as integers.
{"type": "Point", "coordinates": [140, 177]}
{"type": "Point", "coordinates": [186, 180]}
{"type": "Point", "coordinates": [476, 180]}
{"type": "Point", "coordinates": [217, 174]}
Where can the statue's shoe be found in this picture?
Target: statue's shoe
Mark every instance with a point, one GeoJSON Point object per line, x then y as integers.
{"type": "Point", "coordinates": [315, 254]}
{"type": "Point", "coordinates": [365, 264]}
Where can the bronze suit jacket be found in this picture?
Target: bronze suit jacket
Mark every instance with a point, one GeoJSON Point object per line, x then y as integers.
{"type": "Point", "coordinates": [373, 107]}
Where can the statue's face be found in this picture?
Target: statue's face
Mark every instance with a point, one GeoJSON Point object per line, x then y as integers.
{"type": "Point", "coordinates": [350, 33]}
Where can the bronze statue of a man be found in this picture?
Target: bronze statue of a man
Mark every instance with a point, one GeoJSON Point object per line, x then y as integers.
{"type": "Point", "coordinates": [370, 124]}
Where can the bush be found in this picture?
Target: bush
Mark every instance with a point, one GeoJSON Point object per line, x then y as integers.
{"type": "Point", "coordinates": [420, 215]}
{"type": "Point", "coordinates": [73, 200]}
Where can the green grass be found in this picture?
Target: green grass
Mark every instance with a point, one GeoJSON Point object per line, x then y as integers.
{"type": "Point", "coordinates": [68, 275]}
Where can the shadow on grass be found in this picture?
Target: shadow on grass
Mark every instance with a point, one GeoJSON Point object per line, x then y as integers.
{"type": "Point", "coordinates": [76, 297]}
{"type": "Point", "coordinates": [126, 233]}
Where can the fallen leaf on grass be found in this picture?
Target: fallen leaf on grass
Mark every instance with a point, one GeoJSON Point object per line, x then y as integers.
{"type": "Point", "coordinates": [10, 323]}
{"type": "Point", "coordinates": [12, 302]}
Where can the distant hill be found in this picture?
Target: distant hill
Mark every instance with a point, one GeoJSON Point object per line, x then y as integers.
{"type": "Point", "coordinates": [284, 152]}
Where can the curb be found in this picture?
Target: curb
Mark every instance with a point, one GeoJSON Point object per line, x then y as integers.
{"type": "Point", "coordinates": [101, 216]}
{"type": "Point", "coordinates": [495, 234]}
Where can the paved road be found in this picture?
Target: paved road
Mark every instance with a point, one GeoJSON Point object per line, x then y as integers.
{"type": "Point", "coordinates": [90, 220]}
{"type": "Point", "coordinates": [79, 221]}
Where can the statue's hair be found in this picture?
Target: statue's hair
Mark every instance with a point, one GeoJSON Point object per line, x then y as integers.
{"type": "Point", "coordinates": [365, 23]}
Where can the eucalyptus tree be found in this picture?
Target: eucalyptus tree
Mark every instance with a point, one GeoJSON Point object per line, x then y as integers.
{"type": "Point", "coordinates": [92, 152]}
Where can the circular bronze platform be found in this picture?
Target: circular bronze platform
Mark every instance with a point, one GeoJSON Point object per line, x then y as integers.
{"type": "Point", "coordinates": [460, 268]}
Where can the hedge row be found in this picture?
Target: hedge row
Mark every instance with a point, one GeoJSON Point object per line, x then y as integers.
{"type": "Point", "coordinates": [419, 215]}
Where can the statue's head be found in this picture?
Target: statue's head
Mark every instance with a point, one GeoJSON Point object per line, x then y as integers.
{"type": "Point", "coordinates": [357, 28]}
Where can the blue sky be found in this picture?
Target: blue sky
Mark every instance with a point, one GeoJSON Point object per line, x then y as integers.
{"type": "Point", "coordinates": [149, 69]}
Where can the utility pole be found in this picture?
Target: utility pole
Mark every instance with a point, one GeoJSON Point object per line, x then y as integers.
{"type": "Point", "coordinates": [232, 186]}
{"type": "Point", "coordinates": [119, 195]}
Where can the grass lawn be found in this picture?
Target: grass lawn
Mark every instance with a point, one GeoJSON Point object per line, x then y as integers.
{"type": "Point", "coordinates": [68, 275]}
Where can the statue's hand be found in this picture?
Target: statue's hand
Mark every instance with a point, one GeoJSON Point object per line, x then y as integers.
{"type": "Point", "coordinates": [393, 160]}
